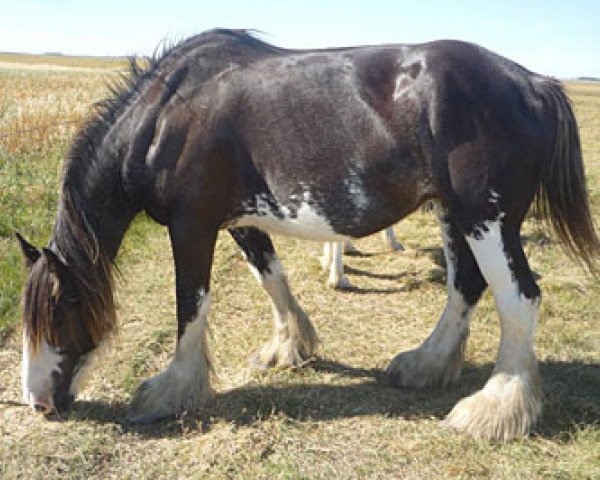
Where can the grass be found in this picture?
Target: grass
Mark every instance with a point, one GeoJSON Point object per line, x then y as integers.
{"type": "Point", "coordinates": [331, 419]}
{"type": "Point", "coordinates": [40, 110]}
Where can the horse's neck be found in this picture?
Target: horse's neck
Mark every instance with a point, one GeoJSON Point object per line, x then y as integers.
{"type": "Point", "coordinates": [93, 209]}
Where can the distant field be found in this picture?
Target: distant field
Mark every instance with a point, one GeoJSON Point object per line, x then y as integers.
{"type": "Point", "coordinates": [331, 419]}
{"type": "Point", "coordinates": [67, 61]}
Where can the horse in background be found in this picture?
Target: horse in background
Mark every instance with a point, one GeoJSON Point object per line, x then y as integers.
{"type": "Point", "coordinates": [225, 131]}
{"type": "Point", "coordinates": [332, 262]}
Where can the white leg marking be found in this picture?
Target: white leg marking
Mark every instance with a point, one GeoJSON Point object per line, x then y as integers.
{"type": "Point", "coordinates": [510, 402]}
{"type": "Point", "coordinates": [327, 256]}
{"type": "Point", "coordinates": [36, 374]}
{"type": "Point", "coordinates": [185, 384]}
{"type": "Point", "coordinates": [295, 339]}
{"type": "Point", "coordinates": [437, 362]}
{"type": "Point", "coordinates": [337, 279]}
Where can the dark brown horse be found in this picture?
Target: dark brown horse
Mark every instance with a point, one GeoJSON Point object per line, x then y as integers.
{"type": "Point", "coordinates": [226, 131]}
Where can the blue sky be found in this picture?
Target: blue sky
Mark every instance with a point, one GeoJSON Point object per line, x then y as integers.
{"type": "Point", "coordinates": [560, 38]}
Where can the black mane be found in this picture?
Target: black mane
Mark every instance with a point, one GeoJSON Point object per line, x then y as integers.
{"type": "Point", "coordinates": [140, 71]}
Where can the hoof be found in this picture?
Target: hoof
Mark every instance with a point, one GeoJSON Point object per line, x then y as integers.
{"type": "Point", "coordinates": [395, 247]}
{"type": "Point", "coordinates": [504, 409]}
{"type": "Point", "coordinates": [341, 283]}
{"type": "Point", "coordinates": [169, 394]}
{"type": "Point", "coordinates": [280, 353]}
{"type": "Point", "coordinates": [422, 368]}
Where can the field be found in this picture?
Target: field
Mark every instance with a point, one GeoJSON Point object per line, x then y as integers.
{"type": "Point", "coordinates": [334, 418]}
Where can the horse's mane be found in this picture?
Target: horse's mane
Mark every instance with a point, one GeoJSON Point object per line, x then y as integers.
{"type": "Point", "coordinates": [75, 238]}
{"type": "Point", "coordinates": [142, 70]}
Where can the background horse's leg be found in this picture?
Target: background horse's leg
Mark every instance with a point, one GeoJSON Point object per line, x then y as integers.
{"type": "Point", "coordinates": [326, 258]}
{"type": "Point", "coordinates": [332, 258]}
{"type": "Point", "coordinates": [348, 247]}
{"type": "Point", "coordinates": [336, 278]}
{"type": "Point", "coordinates": [437, 362]}
{"type": "Point", "coordinates": [510, 402]}
{"type": "Point", "coordinates": [185, 384]}
{"type": "Point", "coordinates": [295, 339]}
{"type": "Point", "coordinates": [390, 242]}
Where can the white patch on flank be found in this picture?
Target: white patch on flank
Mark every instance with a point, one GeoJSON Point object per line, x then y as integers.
{"type": "Point", "coordinates": [36, 373]}
{"type": "Point", "coordinates": [306, 223]}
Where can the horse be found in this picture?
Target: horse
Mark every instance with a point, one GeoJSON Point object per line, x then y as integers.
{"type": "Point", "coordinates": [225, 131]}
{"type": "Point", "coordinates": [331, 261]}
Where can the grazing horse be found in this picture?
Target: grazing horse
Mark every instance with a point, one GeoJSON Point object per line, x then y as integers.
{"type": "Point", "coordinates": [224, 131]}
{"type": "Point", "coordinates": [332, 258]}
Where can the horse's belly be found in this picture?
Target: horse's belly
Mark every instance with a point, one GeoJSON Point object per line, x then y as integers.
{"type": "Point", "coordinates": [301, 221]}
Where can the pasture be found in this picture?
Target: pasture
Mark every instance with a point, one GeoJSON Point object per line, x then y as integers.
{"type": "Point", "coordinates": [333, 418]}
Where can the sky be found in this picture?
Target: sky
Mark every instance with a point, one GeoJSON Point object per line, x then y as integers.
{"type": "Point", "coordinates": [553, 37]}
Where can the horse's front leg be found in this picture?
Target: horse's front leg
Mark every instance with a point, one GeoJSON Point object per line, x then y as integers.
{"type": "Point", "coordinates": [295, 339]}
{"type": "Point", "coordinates": [185, 384]}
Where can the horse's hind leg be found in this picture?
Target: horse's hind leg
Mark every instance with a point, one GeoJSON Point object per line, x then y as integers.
{"type": "Point", "coordinates": [510, 402]}
{"type": "Point", "coordinates": [437, 362]}
{"type": "Point", "coordinates": [295, 339]}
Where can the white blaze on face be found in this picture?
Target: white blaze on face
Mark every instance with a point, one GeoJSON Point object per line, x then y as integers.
{"type": "Point", "coordinates": [36, 373]}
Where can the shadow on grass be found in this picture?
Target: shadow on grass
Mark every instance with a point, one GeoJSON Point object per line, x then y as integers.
{"type": "Point", "coordinates": [571, 390]}
{"type": "Point", "coordinates": [408, 282]}
{"type": "Point", "coordinates": [381, 276]}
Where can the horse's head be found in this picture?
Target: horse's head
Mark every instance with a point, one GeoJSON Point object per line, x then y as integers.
{"type": "Point", "coordinates": [56, 339]}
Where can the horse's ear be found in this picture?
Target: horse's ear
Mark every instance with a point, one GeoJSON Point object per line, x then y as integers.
{"type": "Point", "coordinates": [31, 253]}
{"type": "Point", "coordinates": [55, 265]}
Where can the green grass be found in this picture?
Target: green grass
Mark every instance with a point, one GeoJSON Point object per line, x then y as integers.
{"type": "Point", "coordinates": [333, 418]}
{"type": "Point", "coordinates": [28, 196]}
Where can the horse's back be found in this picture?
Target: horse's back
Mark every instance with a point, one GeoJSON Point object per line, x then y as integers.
{"type": "Point", "coordinates": [356, 137]}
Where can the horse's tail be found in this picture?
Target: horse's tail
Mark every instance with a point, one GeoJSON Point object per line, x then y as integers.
{"type": "Point", "coordinates": [562, 198]}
